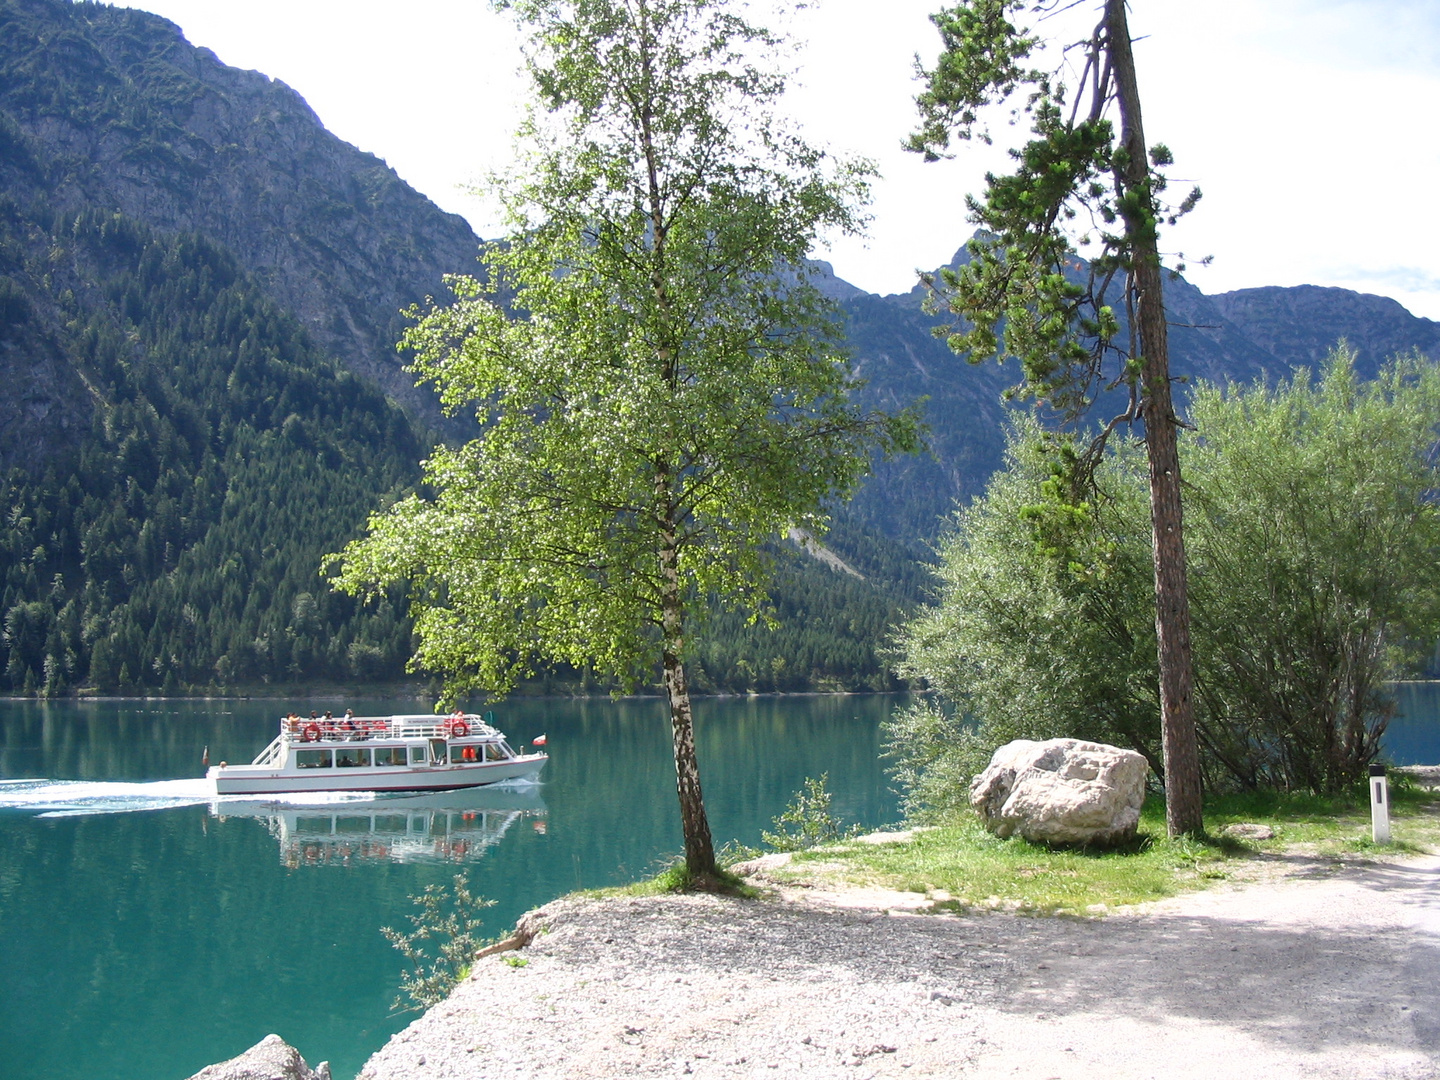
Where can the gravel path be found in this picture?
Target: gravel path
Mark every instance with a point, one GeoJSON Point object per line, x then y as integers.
{"type": "Point", "coordinates": [1325, 970]}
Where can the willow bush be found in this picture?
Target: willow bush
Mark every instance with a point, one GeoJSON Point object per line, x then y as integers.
{"type": "Point", "coordinates": [1313, 534]}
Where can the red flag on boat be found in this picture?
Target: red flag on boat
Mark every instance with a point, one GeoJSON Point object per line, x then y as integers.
{"type": "Point", "coordinates": [539, 740]}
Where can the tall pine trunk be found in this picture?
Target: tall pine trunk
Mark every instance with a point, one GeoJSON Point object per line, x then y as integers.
{"type": "Point", "coordinates": [1172, 606]}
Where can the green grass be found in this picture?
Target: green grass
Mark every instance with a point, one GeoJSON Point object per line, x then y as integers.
{"type": "Point", "coordinates": [961, 866]}
{"type": "Point", "coordinates": [1333, 824]}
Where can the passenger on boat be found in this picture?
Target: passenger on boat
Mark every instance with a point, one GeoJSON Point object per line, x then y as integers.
{"type": "Point", "coordinates": [355, 732]}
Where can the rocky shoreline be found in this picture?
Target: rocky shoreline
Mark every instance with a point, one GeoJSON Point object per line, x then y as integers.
{"type": "Point", "coordinates": [1317, 968]}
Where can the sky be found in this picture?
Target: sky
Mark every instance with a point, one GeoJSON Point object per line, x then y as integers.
{"type": "Point", "coordinates": [1311, 126]}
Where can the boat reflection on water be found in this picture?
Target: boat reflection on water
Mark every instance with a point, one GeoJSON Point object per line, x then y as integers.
{"type": "Point", "coordinates": [437, 827]}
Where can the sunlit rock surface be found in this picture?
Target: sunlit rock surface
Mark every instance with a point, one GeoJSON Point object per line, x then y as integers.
{"type": "Point", "coordinates": [272, 1058]}
{"type": "Point", "coordinates": [1061, 791]}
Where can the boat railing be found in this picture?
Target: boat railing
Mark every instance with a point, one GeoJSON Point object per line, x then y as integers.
{"type": "Point", "coordinates": [360, 728]}
{"type": "Point", "coordinates": [271, 754]}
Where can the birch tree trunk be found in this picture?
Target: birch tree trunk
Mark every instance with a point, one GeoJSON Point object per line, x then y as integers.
{"type": "Point", "coordinates": [699, 848]}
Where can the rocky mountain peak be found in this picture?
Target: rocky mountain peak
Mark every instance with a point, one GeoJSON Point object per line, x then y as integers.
{"type": "Point", "coordinates": [112, 107]}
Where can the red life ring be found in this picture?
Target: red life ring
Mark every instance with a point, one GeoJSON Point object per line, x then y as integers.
{"type": "Point", "coordinates": [459, 729]}
{"type": "Point", "coordinates": [312, 732]}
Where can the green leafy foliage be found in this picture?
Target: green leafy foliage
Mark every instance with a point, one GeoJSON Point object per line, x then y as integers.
{"type": "Point", "coordinates": [1043, 628]}
{"type": "Point", "coordinates": [1025, 292]}
{"type": "Point", "coordinates": [980, 59]}
{"type": "Point", "coordinates": [673, 397]}
{"type": "Point", "coordinates": [673, 400]}
{"type": "Point", "coordinates": [1314, 540]}
{"type": "Point", "coordinates": [442, 942]}
{"type": "Point", "coordinates": [807, 822]}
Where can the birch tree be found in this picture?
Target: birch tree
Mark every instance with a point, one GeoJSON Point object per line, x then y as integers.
{"type": "Point", "coordinates": [664, 394]}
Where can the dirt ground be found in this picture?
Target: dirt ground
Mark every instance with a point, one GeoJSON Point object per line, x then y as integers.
{"type": "Point", "coordinates": [1312, 968]}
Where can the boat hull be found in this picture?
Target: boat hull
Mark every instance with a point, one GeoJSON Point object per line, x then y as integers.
{"type": "Point", "coordinates": [260, 780]}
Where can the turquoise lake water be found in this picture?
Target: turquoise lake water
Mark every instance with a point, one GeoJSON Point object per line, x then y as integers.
{"type": "Point", "coordinates": [147, 929]}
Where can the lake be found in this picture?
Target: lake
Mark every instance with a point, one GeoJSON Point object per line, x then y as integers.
{"type": "Point", "coordinates": [148, 929]}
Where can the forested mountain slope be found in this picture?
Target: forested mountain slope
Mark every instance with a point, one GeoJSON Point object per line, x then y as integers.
{"type": "Point", "coordinates": [174, 539]}
{"type": "Point", "coordinates": [200, 289]}
{"type": "Point", "coordinates": [192, 273]}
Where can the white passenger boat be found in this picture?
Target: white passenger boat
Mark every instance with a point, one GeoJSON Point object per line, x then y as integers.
{"type": "Point", "coordinates": [390, 753]}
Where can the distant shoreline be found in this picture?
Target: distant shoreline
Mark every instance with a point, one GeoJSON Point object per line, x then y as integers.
{"type": "Point", "coordinates": [420, 695]}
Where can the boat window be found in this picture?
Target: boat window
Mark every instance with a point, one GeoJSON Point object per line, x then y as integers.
{"type": "Point", "coordinates": [437, 751]}
{"type": "Point", "coordinates": [389, 755]}
{"type": "Point", "coordinates": [352, 756]}
{"type": "Point", "coordinates": [418, 756]}
{"type": "Point", "coordinates": [509, 753]}
{"type": "Point", "coordinates": [461, 754]}
{"type": "Point", "coordinates": [493, 752]}
{"type": "Point", "coordinates": [312, 759]}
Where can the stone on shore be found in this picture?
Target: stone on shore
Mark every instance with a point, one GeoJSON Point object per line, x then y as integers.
{"type": "Point", "coordinates": [1061, 791]}
{"type": "Point", "coordinates": [272, 1058]}
{"type": "Point", "coordinates": [1248, 830]}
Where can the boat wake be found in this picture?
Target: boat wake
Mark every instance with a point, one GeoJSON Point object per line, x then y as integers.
{"type": "Point", "coordinates": [72, 798]}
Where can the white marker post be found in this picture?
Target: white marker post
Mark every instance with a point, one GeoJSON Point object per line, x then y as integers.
{"type": "Point", "coordinates": [1379, 805]}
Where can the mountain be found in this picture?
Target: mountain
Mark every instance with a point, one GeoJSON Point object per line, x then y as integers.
{"type": "Point", "coordinates": [1299, 325]}
{"type": "Point", "coordinates": [1232, 337]}
{"type": "Point", "coordinates": [112, 109]}
{"type": "Point", "coordinates": [200, 288]}
{"type": "Point", "coordinates": [174, 539]}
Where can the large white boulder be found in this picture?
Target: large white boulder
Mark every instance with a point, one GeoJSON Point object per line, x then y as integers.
{"type": "Point", "coordinates": [1061, 791]}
